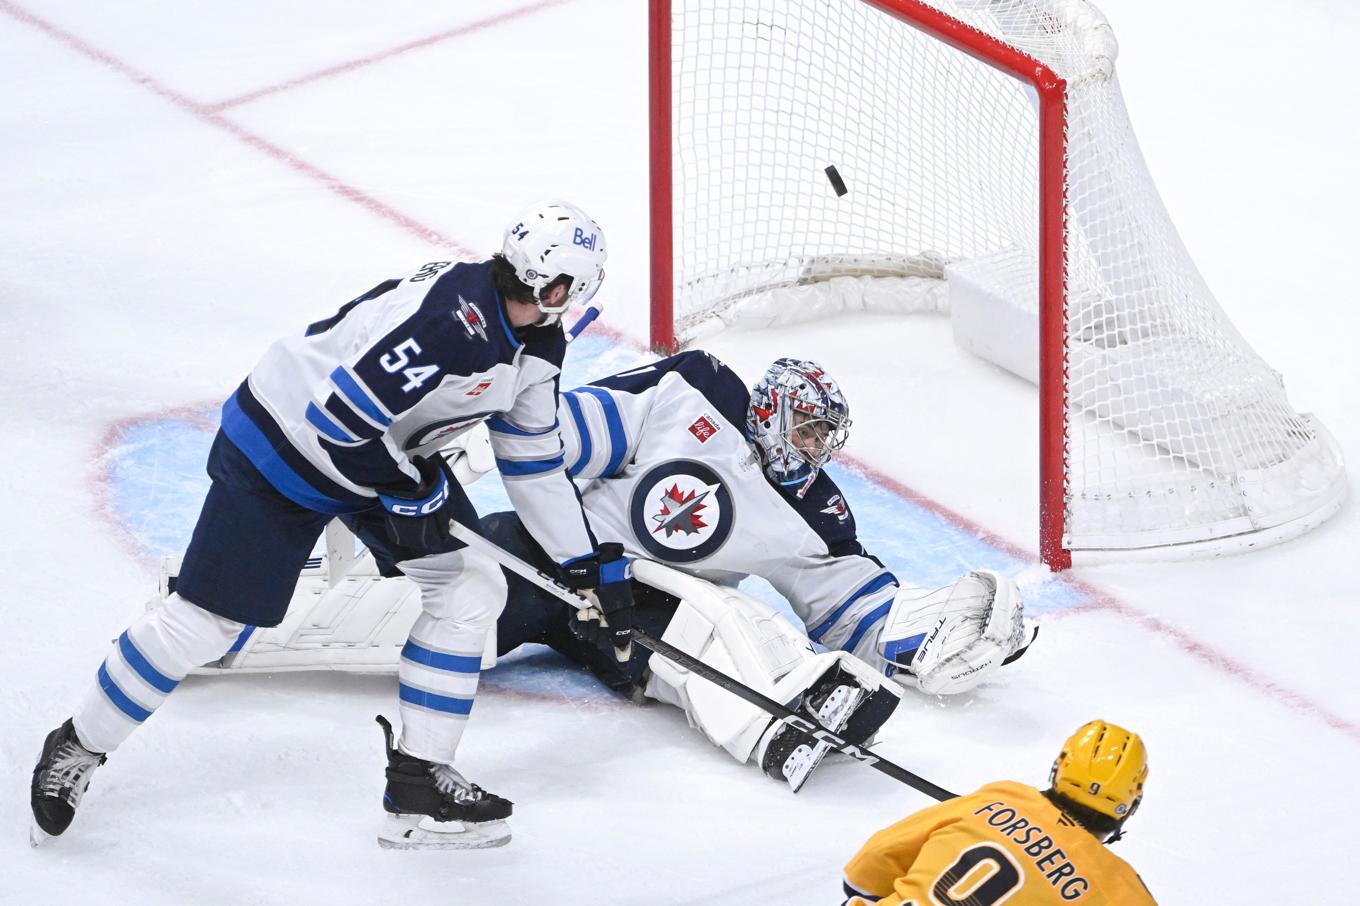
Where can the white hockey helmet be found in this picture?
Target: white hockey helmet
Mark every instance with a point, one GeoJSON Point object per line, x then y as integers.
{"type": "Point", "coordinates": [552, 240]}
{"type": "Point", "coordinates": [798, 418]}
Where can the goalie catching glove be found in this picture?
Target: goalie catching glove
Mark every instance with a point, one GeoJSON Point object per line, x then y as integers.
{"type": "Point", "coordinates": [606, 580]}
{"type": "Point", "coordinates": [949, 640]}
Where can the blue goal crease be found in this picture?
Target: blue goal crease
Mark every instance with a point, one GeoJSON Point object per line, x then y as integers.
{"type": "Point", "coordinates": [158, 483]}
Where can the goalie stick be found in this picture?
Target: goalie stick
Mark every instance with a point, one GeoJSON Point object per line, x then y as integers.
{"type": "Point", "coordinates": [665, 649]}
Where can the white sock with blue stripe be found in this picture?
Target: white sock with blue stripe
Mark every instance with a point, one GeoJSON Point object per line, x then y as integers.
{"type": "Point", "coordinates": [440, 667]}
{"type": "Point", "coordinates": [146, 664]}
{"type": "Point", "coordinates": [462, 593]}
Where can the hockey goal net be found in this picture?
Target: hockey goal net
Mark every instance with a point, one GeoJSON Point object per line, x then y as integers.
{"type": "Point", "coordinates": [976, 154]}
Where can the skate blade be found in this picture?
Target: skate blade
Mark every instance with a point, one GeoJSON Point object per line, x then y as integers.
{"type": "Point", "coordinates": [800, 764]}
{"type": "Point", "coordinates": [37, 836]}
{"type": "Point", "coordinates": [835, 714]}
{"type": "Point", "coordinates": [423, 832]}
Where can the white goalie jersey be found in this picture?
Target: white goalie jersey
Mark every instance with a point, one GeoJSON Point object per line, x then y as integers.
{"type": "Point", "coordinates": [664, 466]}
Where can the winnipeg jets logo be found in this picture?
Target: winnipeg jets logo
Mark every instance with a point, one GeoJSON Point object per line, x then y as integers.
{"type": "Point", "coordinates": [835, 506]}
{"type": "Point", "coordinates": [681, 511]}
{"type": "Point", "coordinates": [470, 316]}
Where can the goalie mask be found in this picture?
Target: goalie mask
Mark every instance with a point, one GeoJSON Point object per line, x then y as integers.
{"type": "Point", "coordinates": [797, 419]}
{"type": "Point", "coordinates": [555, 242]}
{"type": "Point", "coordinates": [1102, 766]}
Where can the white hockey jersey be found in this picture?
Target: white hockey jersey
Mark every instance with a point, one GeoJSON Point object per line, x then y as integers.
{"type": "Point", "coordinates": [332, 415]}
{"type": "Point", "coordinates": [684, 487]}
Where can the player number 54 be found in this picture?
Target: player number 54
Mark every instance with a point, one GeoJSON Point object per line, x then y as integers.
{"type": "Point", "coordinates": [400, 357]}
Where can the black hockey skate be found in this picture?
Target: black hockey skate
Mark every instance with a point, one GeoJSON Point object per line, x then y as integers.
{"type": "Point", "coordinates": [431, 806]}
{"type": "Point", "coordinates": [839, 703]}
{"type": "Point", "coordinates": [59, 780]}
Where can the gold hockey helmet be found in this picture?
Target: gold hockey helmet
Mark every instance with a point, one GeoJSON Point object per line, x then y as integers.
{"type": "Point", "coordinates": [1102, 766]}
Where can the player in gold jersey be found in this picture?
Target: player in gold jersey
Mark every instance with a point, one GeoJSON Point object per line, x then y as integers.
{"type": "Point", "coordinates": [1010, 843]}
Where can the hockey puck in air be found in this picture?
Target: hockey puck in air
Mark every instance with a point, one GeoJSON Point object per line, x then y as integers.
{"type": "Point", "coordinates": [836, 182]}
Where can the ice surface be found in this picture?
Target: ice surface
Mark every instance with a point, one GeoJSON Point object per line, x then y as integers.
{"type": "Point", "coordinates": [168, 213]}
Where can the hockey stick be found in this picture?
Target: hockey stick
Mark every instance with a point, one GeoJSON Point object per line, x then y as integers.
{"type": "Point", "coordinates": [587, 317]}
{"type": "Point", "coordinates": [689, 662]}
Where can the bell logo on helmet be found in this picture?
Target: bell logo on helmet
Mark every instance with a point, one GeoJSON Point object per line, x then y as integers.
{"type": "Point", "coordinates": [555, 241]}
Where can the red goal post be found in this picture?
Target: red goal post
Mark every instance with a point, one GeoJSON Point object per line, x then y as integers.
{"type": "Point", "coordinates": [1144, 454]}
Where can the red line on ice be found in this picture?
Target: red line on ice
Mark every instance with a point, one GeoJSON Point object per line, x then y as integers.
{"type": "Point", "coordinates": [1099, 600]}
{"type": "Point", "coordinates": [201, 112]}
{"type": "Point", "coordinates": [361, 62]}
{"type": "Point", "coordinates": [1217, 659]}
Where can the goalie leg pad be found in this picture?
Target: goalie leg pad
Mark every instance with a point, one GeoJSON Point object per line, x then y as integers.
{"type": "Point", "coordinates": [739, 636]}
{"type": "Point", "coordinates": [749, 641]}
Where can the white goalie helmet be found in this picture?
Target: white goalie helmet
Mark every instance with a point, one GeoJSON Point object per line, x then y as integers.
{"type": "Point", "coordinates": [555, 239]}
{"type": "Point", "coordinates": [798, 418]}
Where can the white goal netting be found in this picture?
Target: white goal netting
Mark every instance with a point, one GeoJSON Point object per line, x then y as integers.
{"type": "Point", "coordinates": [1175, 431]}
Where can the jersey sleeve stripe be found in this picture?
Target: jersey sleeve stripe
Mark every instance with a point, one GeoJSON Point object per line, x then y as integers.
{"type": "Point", "coordinates": [510, 468]}
{"type": "Point", "coordinates": [326, 426]}
{"type": "Point", "coordinates": [358, 397]}
{"type": "Point", "coordinates": [267, 457]}
{"type": "Point", "coordinates": [339, 410]}
{"type": "Point", "coordinates": [866, 622]}
{"type": "Point", "coordinates": [618, 438]}
{"type": "Point", "coordinates": [582, 432]}
{"type": "Point", "coordinates": [504, 426]}
{"type": "Point", "coordinates": [873, 585]}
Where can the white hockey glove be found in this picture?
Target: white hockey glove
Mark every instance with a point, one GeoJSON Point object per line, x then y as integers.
{"type": "Point", "coordinates": [948, 641]}
{"type": "Point", "coordinates": [469, 455]}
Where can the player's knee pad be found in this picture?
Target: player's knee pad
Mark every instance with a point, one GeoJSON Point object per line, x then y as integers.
{"type": "Point", "coordinates": [179, 635]}
{"type": "Point", "coordinates": [460, 585]}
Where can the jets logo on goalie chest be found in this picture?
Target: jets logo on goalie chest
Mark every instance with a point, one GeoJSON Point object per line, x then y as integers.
{"type": "Point", "coordinates": [681, 511]}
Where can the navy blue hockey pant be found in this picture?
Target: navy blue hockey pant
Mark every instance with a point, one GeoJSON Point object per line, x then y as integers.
{"type": "Point", "coordinates": [251, 543]}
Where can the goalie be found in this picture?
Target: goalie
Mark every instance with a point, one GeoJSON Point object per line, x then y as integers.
{"type": "Point", "coordinates": [706, 482]}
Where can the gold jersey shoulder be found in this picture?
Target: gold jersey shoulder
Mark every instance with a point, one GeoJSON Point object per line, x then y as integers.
{"type": "Point", "coordinates": [1004, 843]}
